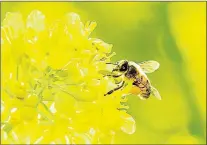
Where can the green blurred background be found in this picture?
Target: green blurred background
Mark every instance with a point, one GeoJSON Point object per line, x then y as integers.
{"type": "Point", "coordinates": [174, 34]}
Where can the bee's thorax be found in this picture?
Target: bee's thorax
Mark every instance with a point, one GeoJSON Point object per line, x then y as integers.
{"type": "Point", "coordinates": [131, 73]}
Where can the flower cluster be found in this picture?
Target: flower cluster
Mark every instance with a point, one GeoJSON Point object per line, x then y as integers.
{"type": "Point", "coordinates": [53, 86]}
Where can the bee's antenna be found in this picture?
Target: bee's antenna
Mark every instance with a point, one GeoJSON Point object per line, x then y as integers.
{"type": "Point", "coordinates": [111, 63]}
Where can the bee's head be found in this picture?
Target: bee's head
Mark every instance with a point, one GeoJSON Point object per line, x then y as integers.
{"type": "Point", "coordinates": [122, 66]}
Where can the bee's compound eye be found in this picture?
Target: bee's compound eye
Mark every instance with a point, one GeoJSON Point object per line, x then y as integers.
{"type": "Point", "coordinates": [124, 66]}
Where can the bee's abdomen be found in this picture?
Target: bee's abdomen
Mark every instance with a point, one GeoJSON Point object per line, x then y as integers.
{"type": "Point", "coordinates": [146, 93]}
{"type": "Point", "coordinates": [144, 86]}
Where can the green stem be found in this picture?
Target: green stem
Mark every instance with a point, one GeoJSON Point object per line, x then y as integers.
{"type": "Point", "coordinates": [17, 77]}
{"type": "Point", "coordinates": [35, 86]}
{"type": "Point", "coordinates": [46, 108]}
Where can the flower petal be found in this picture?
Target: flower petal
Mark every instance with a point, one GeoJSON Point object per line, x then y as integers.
{"type": "Point", "coordinates": [36, 21]}
{"type": "Point", "coordinates": [89, 27]}
{"type": "Point", "coordinates": [129, 124]}
{"type": "Point", "coordinates": [15, 21]}
{"type": "Point", "coordinates": [80, 139]}
{"type": "Point", "coordinates": [101, 45]}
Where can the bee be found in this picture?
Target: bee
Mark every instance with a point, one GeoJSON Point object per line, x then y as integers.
{"type": "Point", "coordinates": [135, 73]}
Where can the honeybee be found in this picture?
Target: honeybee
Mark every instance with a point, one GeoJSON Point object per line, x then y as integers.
{"type": "Point", "coordinates": [133, 72]}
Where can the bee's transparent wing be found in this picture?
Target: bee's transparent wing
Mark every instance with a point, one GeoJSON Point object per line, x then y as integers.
{"type": "Point", "coordinates": [156, 93]}
{"type": "Point", "coordinates": [149, 66]}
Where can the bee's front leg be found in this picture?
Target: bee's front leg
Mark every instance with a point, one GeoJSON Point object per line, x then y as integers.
{"type": "Point", "coordinates": [114, 76]}
{"type": "Point", "coordinates": [115, 89]}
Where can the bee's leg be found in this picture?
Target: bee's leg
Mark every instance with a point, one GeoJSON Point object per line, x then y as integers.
{"type": "Point", "coordinates": [118, 82]}
{"type": "Point", "coordinates": [115, 76]}
{"type": "Point", "coordinates": [115, 89]}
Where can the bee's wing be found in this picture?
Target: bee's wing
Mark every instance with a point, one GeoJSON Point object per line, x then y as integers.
{"type": "Point", "coordinates": [156, 93]}
{"type": "Point", "coordinates": [149, 66]}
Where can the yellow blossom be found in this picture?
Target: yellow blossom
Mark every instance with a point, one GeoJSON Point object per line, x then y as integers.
{"type": "Point", "coordinates": [53, 91]}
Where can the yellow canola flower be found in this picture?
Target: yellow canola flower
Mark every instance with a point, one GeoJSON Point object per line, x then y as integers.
{"type": "Point", "coordinates": [188, 25]}
{"type": "Point", "coordinates": [52, 87]}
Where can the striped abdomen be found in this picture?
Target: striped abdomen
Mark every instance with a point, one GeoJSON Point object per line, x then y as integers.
{"type": "Point", "coordinates": [144, 85]}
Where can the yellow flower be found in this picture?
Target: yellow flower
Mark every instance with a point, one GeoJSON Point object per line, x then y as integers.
{"type": "Point", "coordinates": [53, 91]}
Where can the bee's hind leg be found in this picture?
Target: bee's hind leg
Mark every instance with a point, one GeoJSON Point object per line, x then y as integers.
{"type": "Point", "coordinates": [115, 89]}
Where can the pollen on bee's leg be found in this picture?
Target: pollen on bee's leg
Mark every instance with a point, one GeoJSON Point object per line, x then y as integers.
{"type": "Point", "coordinates": [135, 90]}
